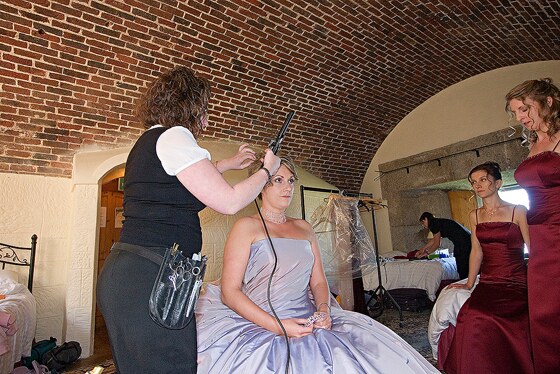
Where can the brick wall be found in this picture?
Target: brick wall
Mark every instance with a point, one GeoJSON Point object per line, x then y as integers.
{"type": "Point", "coordinates": [70, 70]}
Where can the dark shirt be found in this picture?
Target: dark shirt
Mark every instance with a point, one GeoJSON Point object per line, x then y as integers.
{"type": "Point", "coordinates": [457, 233]}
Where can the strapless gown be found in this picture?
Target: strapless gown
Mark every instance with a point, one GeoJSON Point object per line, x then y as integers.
{"type": "Point", "coordinates": [492, 333]}
{"type": "Point", "coordinates": [228, 343]}
{"type": "Point", "coordinates": [539, 175]}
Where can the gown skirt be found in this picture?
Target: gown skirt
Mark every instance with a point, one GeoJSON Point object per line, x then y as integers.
{"type": "Point", "coordinates": [228, 343]}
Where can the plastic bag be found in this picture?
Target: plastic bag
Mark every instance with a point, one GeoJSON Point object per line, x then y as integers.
{"type": "Point", "coordinates": [346, 247]}
{"type": "Point", "coordinates": [176, 289]}
{"type": "Point", "coordinates": [37, 369]}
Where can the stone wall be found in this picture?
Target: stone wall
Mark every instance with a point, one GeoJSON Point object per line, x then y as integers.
{"type": "Point", "coordinates": [420, 183]}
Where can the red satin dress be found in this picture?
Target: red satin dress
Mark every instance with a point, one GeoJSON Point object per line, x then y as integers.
{"type": "Point", "coordinates": [539, 175]}
{"type": "Point", "coordinates": [492, 333]}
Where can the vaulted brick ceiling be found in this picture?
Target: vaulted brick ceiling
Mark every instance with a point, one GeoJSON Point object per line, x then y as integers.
{"type": "Point", "coordinates": [350, 69]}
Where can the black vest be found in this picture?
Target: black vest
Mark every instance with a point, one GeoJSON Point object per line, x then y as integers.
{"type": "Point", "coordinates": [158, 209]}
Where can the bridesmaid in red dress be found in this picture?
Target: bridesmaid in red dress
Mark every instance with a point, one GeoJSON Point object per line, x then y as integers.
{"type": "Point", "coordinates": [536, 105]}
{"type": "Point", "coordinates": [492, 333]}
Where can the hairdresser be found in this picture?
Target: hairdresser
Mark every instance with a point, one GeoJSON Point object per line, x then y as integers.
{"type": "Point", "coordinates": [169, 178]}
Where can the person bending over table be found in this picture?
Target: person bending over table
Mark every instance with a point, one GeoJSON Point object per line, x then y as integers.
{"type": "Point", "coordinates": [457, 233]}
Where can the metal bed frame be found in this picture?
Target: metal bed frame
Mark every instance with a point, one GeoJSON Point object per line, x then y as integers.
{"type": "Point", "coordinates": [10, 256]}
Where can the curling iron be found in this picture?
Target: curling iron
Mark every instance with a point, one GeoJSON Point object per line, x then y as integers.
{"type": "Point", "coordinates": [275, 144]}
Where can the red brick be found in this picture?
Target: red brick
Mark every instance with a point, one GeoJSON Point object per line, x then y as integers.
{"type": "Point", "coordinates": [261, 57]}
{"type": "Point", "coordinates": [16, 168]}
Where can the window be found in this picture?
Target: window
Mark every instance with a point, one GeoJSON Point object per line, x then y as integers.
{"type": "Point", "coordinates": [515, 195]}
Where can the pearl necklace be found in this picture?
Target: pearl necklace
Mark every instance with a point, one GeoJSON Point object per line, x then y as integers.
{"type": "Point", "coordinates": [273, 217]}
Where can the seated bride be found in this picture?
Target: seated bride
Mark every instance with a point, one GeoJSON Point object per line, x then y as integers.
{"type": "Point", "coordinates": [257, 319]}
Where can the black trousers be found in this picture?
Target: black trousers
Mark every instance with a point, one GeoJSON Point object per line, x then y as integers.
{"type": "Point", "coordinates": [462, 252]}
{"type": "Point", "coordinates": [138, 344]}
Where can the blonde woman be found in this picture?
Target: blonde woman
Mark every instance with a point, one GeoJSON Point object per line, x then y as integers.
{"type": "Point", "coordinates": [536, 105]}
{"type": "Point", "coordinates": [238, 332]}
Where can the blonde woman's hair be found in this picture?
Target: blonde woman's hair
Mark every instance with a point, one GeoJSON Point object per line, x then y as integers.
{"type": "Point", "coordinates": [538, 90]}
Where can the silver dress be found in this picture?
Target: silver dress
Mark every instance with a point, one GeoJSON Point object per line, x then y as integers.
{"type": "Point", "coordinates": [228, 343]}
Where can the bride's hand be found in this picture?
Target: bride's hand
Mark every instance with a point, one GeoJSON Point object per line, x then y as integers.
{"type": "Point", "coordinates": [295, 327]}
{"type": "Point", "coordinates": [324, 323]}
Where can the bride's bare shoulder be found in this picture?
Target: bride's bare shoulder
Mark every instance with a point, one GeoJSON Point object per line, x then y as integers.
{"type": "Point", "coordinates": [247, 223]}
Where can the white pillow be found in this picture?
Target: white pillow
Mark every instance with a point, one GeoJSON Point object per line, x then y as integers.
{"type": "Point", "coordinates": [9, 275]}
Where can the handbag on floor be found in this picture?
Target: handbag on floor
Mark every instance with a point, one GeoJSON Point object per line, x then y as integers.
{"type": "Point", "coordinates": [410, 299]}
{"type": "Point", "coordinates": [176, 288]}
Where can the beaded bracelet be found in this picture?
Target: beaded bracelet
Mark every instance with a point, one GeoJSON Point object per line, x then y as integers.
{"type": "Point", "coordinates": [328, 306]}
{"type": "Point", "coordinates": [269, 180]}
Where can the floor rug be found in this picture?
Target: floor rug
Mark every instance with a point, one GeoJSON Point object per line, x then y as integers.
{"type": "Point", "coordinates": [414, 329]}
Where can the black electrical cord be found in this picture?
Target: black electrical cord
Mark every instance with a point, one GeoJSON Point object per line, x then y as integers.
{"type": "Point", "coordinates": [268, 289]}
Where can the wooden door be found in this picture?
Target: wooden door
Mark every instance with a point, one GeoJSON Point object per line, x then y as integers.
{"type": "Point", "coordinates": [110, 230]}
{"type": "Point", "coordinates": [461, 203]}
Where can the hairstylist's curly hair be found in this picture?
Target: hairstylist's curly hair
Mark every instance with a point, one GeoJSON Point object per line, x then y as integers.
{"type": "Point", "coordinates": [538, 90]}
{"type": "Point", "coordinates": [177, 98]}
{"type": "Point", "coordinates": [490, 167]}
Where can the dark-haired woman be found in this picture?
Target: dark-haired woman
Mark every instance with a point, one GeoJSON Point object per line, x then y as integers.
{"type": "Point", "coordinates": [492, 332]}
{"type": "Point", "coordinates": [536, 105]}
{"type": "Point", "coordinates": [169, 178]}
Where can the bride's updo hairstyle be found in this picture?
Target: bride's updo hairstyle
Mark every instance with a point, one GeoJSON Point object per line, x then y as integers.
{"type": "Point", "coordinates": [284, 160]}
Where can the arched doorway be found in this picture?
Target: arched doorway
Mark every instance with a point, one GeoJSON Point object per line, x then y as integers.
{"type": "Point", "coordinates": [91, 170]}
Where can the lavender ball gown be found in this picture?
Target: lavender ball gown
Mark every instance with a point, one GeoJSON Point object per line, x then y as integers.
{"type": "Point", "coordinates": [228, 343]}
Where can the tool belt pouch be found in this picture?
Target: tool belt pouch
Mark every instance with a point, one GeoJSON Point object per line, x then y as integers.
{"type": "Point", "coordinates": [176, 289]}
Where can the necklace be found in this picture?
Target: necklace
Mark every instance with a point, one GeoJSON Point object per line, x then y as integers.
{"type": "Point", "coordinates": [490, 212]}
{"type": "Point", "coordinates": [273, 217]}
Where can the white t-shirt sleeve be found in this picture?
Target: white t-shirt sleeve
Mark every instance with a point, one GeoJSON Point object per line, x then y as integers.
{"type": "Point", "coordinates": [177, 150]}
